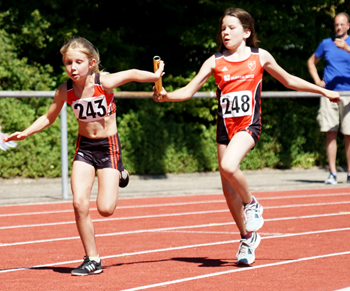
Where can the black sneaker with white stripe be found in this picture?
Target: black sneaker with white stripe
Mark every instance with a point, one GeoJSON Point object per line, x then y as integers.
{"type": "Point", "coordinates": [87, 268]}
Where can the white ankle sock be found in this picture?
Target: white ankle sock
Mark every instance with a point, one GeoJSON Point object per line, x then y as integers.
{"type": "Point", "coordinates": [96, 259]}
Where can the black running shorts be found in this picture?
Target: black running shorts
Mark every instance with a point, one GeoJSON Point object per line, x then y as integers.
{"type": "Point", "coordinates": [100, 153]}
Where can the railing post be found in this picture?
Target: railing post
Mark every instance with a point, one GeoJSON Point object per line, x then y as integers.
{"type": "Point", "coordinates": [64, 152]}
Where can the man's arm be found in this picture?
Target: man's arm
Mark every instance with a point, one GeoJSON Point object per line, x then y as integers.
{"type": "Point", "coordinates": [311, 64]}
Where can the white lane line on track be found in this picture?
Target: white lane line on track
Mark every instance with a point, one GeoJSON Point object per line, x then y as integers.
{"type": "Point", "coordinates": [221, 232]}
{"type": "Point", "coordinates": [185, 247]}
{"type": "Point", "coordinates": [169, 204]}
{"type": "Point", "coordinates": [179, 196]}
{"type": "Point", "coordinates": [163, 284]}
{"type": "Point", "coordinates": [119, 207]}
{"type": "Point", "coordinates": [165, 229]}
{"type": "Point", "coordinates": [118, 218]}
{"type": "Point", "coordinates": [169, 215]}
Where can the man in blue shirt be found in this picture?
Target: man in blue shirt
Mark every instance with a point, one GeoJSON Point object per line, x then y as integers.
{"type": "Point", "coordinates": [336, 76]}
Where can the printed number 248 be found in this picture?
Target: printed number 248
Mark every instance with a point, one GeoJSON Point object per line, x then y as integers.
{"type": "Point", "coordinates": [237, 105]}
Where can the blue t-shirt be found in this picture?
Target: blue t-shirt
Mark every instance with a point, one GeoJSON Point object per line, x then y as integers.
{"type": "Point", "coordinates": [337, 65]}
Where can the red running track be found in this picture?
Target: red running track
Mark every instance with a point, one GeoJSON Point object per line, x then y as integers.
{"type": "Point", "coordinates": [181, 243]}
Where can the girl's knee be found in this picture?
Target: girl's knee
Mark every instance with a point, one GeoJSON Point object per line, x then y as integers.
{"type": "Point", "coordinates": [106, 211]}
{"type": "Point", "coordinates": [228, 170]}
{"type": "Point", "coordinates": [81, 207]}
{"type": "Point", "coordinates": [106, 208]}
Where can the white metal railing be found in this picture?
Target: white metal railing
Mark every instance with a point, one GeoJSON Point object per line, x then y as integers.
{"type": "Point", "coordinates": [145, 95]}
{"type": "Point", "coordinates": [129, 95]}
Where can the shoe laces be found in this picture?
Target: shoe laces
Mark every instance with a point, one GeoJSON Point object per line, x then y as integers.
{"type": "Point", "coordinates": [244, 248]}
{"type": "Point", "coordinates": [86, 261]}
{"type": "Point", "coordinates": [249, 211]}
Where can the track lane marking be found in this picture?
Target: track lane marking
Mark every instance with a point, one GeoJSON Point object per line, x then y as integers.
{"type": "Point", "coordinates": [162, 204]}
{"type": "Point", "coordinates": [162, 284]}
{"type": "Point", "coordinates": [170, 215]}
{"type": "Point", "coordinates": [187, 247]}
{"type": "Point", "coordinates": [166, 229]}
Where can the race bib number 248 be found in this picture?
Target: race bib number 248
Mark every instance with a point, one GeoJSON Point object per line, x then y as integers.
{"type": "Point", "coordinates": [236, 104]}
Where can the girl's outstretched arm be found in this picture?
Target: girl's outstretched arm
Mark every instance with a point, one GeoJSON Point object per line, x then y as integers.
{"type": "Point", "coordinates": [114, 80]}
{"type": "Point", "coordinates": [293, 82]}
{"type": "Point", "coordinates": [192, 87]}
{"type": "Point", "coordinates": [45, 120]}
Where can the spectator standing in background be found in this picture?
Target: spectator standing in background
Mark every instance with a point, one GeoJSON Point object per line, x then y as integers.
{"type": "Point", "coordinates": [334, 116]}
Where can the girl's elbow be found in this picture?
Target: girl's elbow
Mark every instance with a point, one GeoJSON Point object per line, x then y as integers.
{"type": "Point", "coordinates": [290, 83]}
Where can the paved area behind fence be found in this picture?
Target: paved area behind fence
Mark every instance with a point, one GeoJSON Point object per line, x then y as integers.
{"type": "Point", "coordinates": [14, 191]}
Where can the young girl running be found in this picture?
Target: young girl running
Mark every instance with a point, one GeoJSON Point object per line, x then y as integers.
{"type": "Point", "coordinates": [238, 69]}
{"type": "Point", "coordinates": [98, 147]}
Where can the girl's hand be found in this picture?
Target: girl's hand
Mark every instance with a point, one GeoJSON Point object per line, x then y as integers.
{"type": "Point", "coordinates": [333, 96]}
{"type": "Point", "coordinates": [159, 73]}
{"type": "Point", "coordinates": [16, 136]}
{"type": "Point", "coordinates": [159, 97]}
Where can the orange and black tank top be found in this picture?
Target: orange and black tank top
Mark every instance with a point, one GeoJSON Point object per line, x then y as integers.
{"type": "Point", "coordinates": [239, 87]}
{"type": "Point", "coordinates": [100, 105]}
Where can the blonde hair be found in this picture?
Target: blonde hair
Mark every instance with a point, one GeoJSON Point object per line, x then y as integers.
{"type": "Point", "coordinates": [247, 22]}
{"type": "Point", "coordinates": [84, 46]}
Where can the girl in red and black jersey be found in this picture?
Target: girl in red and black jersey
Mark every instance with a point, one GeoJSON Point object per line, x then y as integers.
{"type": "Point", "coordinates": [238, 69]}
{"type": "Point", "coordinates": [98, 148]}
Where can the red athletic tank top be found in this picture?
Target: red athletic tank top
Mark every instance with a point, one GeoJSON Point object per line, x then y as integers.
{"type": "Point", "coordinates": [239, 87]}
{"type": "Point", "coordinates": [96, 107]}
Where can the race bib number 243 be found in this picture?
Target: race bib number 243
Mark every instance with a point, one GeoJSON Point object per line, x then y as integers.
{"type": "Point", "coordinates": [90, 109]}
{"type": "Point", "coordinates": [236, 104]}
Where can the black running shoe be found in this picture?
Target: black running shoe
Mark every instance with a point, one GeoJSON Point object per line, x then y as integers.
{"type": "Point", "coordinates": [124, 179]}
{"type": "Point", "coordinates": [87, 268]}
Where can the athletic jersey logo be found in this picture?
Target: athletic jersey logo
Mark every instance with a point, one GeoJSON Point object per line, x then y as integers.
{"type": "Point", "coordinates": [252, 65]}
{"type": "Point", "coordinates": [224, 69]}
{"type": "Point", "coordinates": [227, 77]}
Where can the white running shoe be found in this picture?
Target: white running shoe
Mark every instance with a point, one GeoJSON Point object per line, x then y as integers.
{"type": "Point", "coordinates": [253, 216]}
{"type": "Point", "coordinates": [246, 250]}
{"type": "Point", "coordinates": [332, 179]}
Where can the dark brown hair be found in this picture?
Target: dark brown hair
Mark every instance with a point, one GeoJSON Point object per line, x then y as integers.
{"type": "Point", "coordinates": [247, 22]}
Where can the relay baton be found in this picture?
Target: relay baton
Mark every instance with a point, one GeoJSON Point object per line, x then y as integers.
{"type": "Point", "coordinates": [156, 61]}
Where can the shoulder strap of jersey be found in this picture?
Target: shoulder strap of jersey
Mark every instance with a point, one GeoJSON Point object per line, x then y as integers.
{"type": "Point", "coordinates": [218, 55]}
{"type": "Point", "coordinates": [97, 79]}
{"type": "Point", "coordinates": [254, 50]}
{"type": "Point", "coordinates": [69, 84]}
